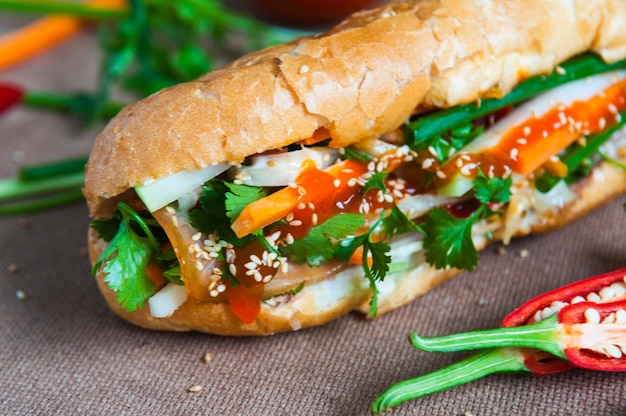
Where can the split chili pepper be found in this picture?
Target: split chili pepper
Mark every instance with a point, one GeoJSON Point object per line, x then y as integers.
{"type": "Point", "coordinates": [587, 334]}
{"type": "Point", "coordinates": [568, 301]}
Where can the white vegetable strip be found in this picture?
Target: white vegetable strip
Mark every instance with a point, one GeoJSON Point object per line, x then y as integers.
{"type": "Point", "coordinates": [281, 169]}
{"type": "Point", "coordinates": [158, 193]}
{"type": "Point", "coordinates": [167, 300]}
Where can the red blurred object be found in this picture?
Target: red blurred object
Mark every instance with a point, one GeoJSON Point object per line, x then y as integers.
{"type": "Point", "coordinates": [308, 12]}
{"type": "Point", "coordinates": [10, 95]}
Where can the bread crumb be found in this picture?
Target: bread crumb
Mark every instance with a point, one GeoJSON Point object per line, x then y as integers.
{"type": "Point", "coordinates": [194, 389]}
{"type": "Point", "coordinates": [18, 156]}
{"type": "Point", "coordinates": [12, 268]}
{"type": "Point", "coordinates": [208, 357]}
{"type": "Point", "coordinates": [83, 251]}
{"type": "Point", "coordinates": [523, 253]}
{"type": "Point", "coordinates": [20, 294]}
{"type": "Point", "coordinates": [501, 251]}
{"type": "Point", "coordinates": [24, 222]}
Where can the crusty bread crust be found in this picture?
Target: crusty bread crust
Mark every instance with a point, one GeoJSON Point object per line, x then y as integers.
{"type": "Point", "coordinates": [363, 78]}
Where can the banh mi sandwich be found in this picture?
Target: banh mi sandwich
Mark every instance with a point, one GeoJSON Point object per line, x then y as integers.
{"type": "Point", "coordinates": [357, 169]}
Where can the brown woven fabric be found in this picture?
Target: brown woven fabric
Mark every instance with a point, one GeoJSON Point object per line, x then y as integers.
{"type": "Point", "coordinates": [63, 352]}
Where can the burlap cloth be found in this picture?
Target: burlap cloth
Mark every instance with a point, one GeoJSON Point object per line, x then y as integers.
{"type": "Point", "coordinates": [63, 352]}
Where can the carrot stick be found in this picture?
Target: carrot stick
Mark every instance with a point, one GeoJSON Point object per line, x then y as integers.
{"type": "Point", "coordinates": [43, 34]}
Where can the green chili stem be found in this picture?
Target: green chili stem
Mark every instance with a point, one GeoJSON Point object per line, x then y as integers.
{"type": "Point", "coordinates": [542, 335]}
{"type": "Point", "coordinates": [473, 368]}
{"type": "Point", "coordinates": [67, 8]}
{"type": "Point", "coordinates": [436, 123]}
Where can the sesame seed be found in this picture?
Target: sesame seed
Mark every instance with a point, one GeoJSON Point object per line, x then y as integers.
{"type": "Point", "coordinates": [199, 265]}
{"type": "Point", "coordinates": [527, 130]}
{"type": "Point", "coordinates": [221, 288]}
{"type": "Point", "coordinates": [522, 140]}
{"type": "Point", "coordinates": [560, 70]}
{"type": "Point", "coordinates": [195, 389]}
{"type": "Point", "coordinates": [258, 277]}
{"type": "Point", "coordinates": [602, 123]}
{"type": "Point", "coordinates": [441, 174]}
{"type": "Point", "coordinates": [232, 269]}
{"type": "Point", "coordinates": [427, 163]}
{"type": "Point", "coordinates": [301, 205]}
{"type": "Point", "coordinates": [289, 239]}
{"type": "Point", "coordinates": [301, 190]}
{"type": "Point", "coordinates": [514, 153]}
{"type": "Point", "coordinates": [303, 69]}
{"type": "Point", "coordinates": [314, 219]}
{"type": "Point", "coordinates": [256, 259]}
{"type": "Point", "coordinates": [352, 182]}
{"type": "Point", "coordinates": [337, 183]}
{"type": "Point", "coordinates": [170, 210]}
{"type": "Point", "coordinates": [289, 217]}
{"type": "Point", "coordinates": [214, 293]}
{"type": "Point", "coordinates": [295, 223]}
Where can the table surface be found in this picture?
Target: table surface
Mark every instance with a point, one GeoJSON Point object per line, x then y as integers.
{"type": "Point", "coordinates": [62, 351]}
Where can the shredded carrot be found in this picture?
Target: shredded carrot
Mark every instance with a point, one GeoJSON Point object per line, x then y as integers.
{"type": "Point", "coordinates": [558, 128]}
{"type": "Point", "coordinates": [43, 34]}
{"type": "Point", "coordinates": [154, 273]}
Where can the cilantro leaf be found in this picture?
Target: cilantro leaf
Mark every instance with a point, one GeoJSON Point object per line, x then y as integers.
{"type": "Point", "coordinates": [448, 240]}
{"type": "Point", "coordinates": [397, 222]}
{"type": "Point", "coordinates": [492, 190]}
{"type": "Point", "coordinates": [125, 260]}
{"type": "Point", "coordinates": [319, 245]}
{"type": "Point", "coordinates": [377, 181]}
{"type": "Point", "coordinates": [107, 227]}
{"type": "Point", "coordinates": [220, 202]}
{"type": "Point", "coordinates": [239, 197]}
{"type": "Point", "coordinates": [442, 144]}
{"type": "Point", "coordinates": [211, 216]}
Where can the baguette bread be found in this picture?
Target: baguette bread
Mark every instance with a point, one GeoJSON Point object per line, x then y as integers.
{"type": "Point", "coordinates": [360, 80]}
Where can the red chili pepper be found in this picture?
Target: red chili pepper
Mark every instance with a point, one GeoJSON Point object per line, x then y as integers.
{"type": "Point", "coordinates": [10, 95]}
{"type": "Point", "coordinates": [596, 338]}
{"type": "Point", "coordinates": [608, 287]}
{"type": "Point", "coordinates": [560, 336]}
{"type": "Point", "coordinates": [588, 334]}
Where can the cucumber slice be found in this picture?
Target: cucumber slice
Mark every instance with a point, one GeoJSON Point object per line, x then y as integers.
{"type": "Point", "coordinates": [157, 193]}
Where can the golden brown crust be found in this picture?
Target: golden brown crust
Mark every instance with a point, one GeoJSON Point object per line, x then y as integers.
{"type": "Point", "coordinates": [359, 80]}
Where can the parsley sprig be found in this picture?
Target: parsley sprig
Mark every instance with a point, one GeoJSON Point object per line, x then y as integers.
{"type": "Point", "coordinates": [448, 239]}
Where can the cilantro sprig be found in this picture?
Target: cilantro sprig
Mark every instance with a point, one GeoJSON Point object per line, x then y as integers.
{"type": "Point", "coordinates": [320, 244]}
{"type": "Point", "coordinates": [448, 239]}
{"type": "Point", "coordinates": [124, 261]}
